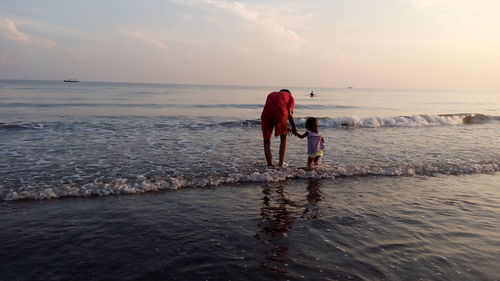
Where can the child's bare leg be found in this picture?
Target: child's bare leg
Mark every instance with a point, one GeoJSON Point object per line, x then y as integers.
{"type": "Point", "coordinates": [309, 161]}
{"type": "Point", "coordinates": [316, 159]}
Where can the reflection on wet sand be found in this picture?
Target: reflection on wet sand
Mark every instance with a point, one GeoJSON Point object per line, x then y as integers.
{"type": "Point", "coordinates": [278, 213]}
{"type": "Point", "coordinates": [314, 196]}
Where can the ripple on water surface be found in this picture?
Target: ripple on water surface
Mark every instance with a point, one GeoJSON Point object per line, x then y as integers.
{"type": "Point", "coordinates": [55, 159]}
{"type": "Point", "coordinates": [378, 228]}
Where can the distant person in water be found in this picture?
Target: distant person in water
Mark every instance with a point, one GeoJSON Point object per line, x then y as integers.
{"type": "Point", "coordinates": [312, 94]}
{"type": "Point", "coordinates": [276, 114]}
{"type": "Point", "coordinates": [315, 142]}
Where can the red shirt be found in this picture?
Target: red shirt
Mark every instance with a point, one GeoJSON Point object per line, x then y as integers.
{"type": "Point", "coordinates": [278, 105]}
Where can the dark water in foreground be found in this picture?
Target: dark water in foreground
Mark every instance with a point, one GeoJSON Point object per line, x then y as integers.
{"type": "Point", "coordinates": [358, 228]}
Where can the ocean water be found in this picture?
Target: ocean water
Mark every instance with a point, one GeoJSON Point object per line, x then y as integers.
{"type": "Point", "coordinates": [408, 188]}
{"type": "Point", "coordinates": [80, 139]}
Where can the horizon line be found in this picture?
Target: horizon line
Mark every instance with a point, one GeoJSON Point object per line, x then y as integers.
{"type": "Point", "coordinates": [257, 86]}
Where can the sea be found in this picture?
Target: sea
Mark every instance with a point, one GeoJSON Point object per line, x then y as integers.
{"type": "Point", "coordinates": [135, 181]}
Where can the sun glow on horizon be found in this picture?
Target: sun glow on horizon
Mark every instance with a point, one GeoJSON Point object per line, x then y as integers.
{"type": "Point", "coordinates": [421, 44]}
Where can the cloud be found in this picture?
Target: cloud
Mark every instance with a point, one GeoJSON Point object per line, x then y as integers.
{"type": "Point", "coordinates": [253, 16]}
{"type": "Point", "coordinates": [146, 38]}
{"type": "Point", "coordinates": [55, 29]}
{"type": "Point", "coordinates": [10, 31]}
{"type": "Point", "coordinates": [290, 39]}
{"type": "Point", "coordinates": [161, 39]}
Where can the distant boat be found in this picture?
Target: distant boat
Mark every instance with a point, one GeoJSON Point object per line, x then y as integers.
{"type": "Point", "coordinates": [71, 80]}
{"type": "Point", "coordinates": [349, 87]}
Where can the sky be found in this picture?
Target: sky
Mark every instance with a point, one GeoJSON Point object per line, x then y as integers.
{"type": "Point", "coordinates": [410, 44]}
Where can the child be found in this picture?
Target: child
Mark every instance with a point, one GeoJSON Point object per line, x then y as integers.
{"type": "Point", "coordinates": [315, 141]}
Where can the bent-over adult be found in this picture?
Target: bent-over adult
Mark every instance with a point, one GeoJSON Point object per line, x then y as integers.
{"type": "Point", "coordinates": [276, 114]}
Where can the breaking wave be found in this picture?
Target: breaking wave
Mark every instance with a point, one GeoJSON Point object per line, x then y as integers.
{"type": "Point", "coordinates": [6, 126]}
{"type": "Point", "coordinates": [421, 120]}
{"type": "Point", "coordinates": [260, 174]}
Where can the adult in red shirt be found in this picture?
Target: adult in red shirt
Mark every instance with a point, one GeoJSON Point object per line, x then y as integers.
{"type": "Point", "coordinates": [277, 112]}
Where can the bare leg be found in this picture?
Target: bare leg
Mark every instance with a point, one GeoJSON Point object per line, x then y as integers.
{"type": "Point", "coordinates": [316, 159]}
{"type": "Point", "coordinates": [282, 149]}
{"type": "Point", "coordinates": [309, 162]}
{"type": "Point", "coordinates": [267, 152]}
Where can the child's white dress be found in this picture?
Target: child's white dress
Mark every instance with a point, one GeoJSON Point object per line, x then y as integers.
{"type": "Point", "coordinates": [314, 144]}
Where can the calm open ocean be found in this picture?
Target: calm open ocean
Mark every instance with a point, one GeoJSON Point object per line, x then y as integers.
{"type": "Point", "coordinates": [409, 186]}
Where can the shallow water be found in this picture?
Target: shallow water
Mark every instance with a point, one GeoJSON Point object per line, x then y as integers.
{"type": "Point", "coordinates": [369, 228]}
{"type": "Point", "coordinates": [105, 156]}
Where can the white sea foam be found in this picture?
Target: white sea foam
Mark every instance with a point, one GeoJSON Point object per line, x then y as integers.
{"type": "Point", "coordinates": [261, 175]}
{"type": "Point", "coordinates": [398, 121]}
